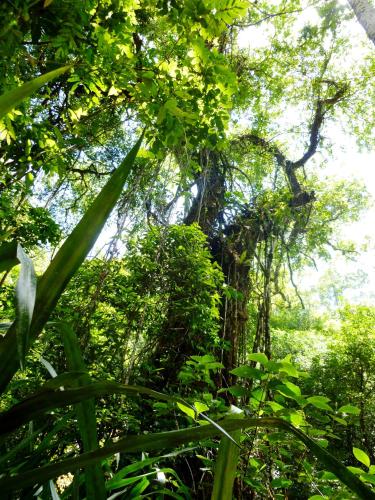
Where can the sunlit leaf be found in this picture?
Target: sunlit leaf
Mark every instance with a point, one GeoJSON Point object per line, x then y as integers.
{"type": "Point", "coordinates": [188, 411]}
{"type": "Point", "coordinates": [351, 410]}
{"type": "Point", "coordinates": [259, 357]}
{"type": "Point", "coordinates": [320, 402]}
{"type": "Point", "coordinates": [200, 407]}
{"type": "Point", "coordinates": [361, 456]}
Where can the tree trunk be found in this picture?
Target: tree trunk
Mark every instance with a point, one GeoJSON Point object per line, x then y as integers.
{"type": "Point", "coordinates": [236, 264]}
{"type": "Point", "coordinates": [365, 13]}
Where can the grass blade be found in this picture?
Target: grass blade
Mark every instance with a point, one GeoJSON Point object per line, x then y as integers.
{"type": "Point", "coordinates": [94, 477]}
{"type": "Point", "coordinates": [226, 462]}
{"type": "Point", "coordinates": [19, 446]}
{"type": "Point", "coordinates": [173, 439]}
{"type": "Point", "coordinates": [66, 262]}
{"type": "Point", "coordinates": [137, 466]}
{"type": "Point", "coordinates": [226, 467]}
{"type": "Point", "coordinates": [11, 99]}
{"type": "Point", "coordinates": [51, 397]}
{"type": "Point", "coordinates": [226, 434]}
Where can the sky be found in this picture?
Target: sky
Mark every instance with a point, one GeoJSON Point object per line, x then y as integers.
{"type": "Point", "coordinates": [347, 163]}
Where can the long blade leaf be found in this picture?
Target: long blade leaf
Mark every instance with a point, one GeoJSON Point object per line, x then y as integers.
{"type": "Point", "coordinates": [172, 439]}
{"type": "Point", "coordinates": [226, 467]}
{"type": "Point", "coordinates": [11, 99]}
{"type": "Point", "coordinates": [51, 397]}
{"type": "Point", "coordinates": [65, 264]}
{"type": "Point", "coordinates": [94, 477]}
{"type": "Point", "coordinates": [137, 466]}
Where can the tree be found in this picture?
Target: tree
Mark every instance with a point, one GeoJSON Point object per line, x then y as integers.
{"type": "Point", "coordinates": [203, 203]}
{"type": "Point", "coordinates": [365, 13]}
{"type": "Point", "coordinates": [344, 373]}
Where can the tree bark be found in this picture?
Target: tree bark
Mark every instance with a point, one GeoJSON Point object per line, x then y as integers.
{"type": "Point", "coordinates": [365, 13]}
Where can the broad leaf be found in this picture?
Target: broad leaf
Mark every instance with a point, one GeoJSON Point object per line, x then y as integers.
{"type": "Point", "coordinates": [361, 456]}
{"type": "Point", "coordinates": [259, 357]}
{"type": "Point", "coordinates": [247, 372]}
{"type": "Point", "coordinates": [368, 478]}
{"type": "Point", "coordinates": [350, 410]}
{"type": "Point", "coordinates": [187, 410]}
{"type": "Point", "coordinates": [320, 402]}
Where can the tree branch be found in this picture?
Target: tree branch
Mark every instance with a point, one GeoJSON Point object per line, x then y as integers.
{"type": "Point", "coordinates": [322, 106]}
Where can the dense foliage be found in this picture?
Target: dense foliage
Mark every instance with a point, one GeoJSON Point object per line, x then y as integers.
{"type": "Point", "coordinates": [174, 355]}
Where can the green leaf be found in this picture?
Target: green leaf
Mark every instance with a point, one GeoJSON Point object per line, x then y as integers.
{"type": "Point", "coordinates": [289, 390]}
{"type": "Point", "coordinates": [361, 456]}
{"type": "Point", "coordinates": [275, 406]}
{"type": "Point", "coordinates": [320, 402]}
{"type": "Point", "coordinates": [66, 262]}
{"type": "Point", "coordinates": [226, 467]}
{"type": "Point", "coordinates": [138, 489]}
{"type": "Point", "coordinates": [351, 410]}
{"type": "Point", "coordinates": [289, 369]}
{"type": "Point", "coordinates": [296, 418]}
{"type": "Point", "coordinates": [137, 466]}
{"type": "Point", "coordinates": [45, 400]}
{"type": "Point", "coordinates": [11, 99]}
{"type": "Point", "coordinates": [66, 379]}
{"type": "Point", "coordinates": [328, 476]}
{"type": "Point", "coordinates": [236, 390]}
{"type": "Point", "coordinates": [226, 462]}
{"type": "Point", "coordinates": [200, 407]}
{"type": "Point", "coordinates": [369, 478]}
{"type": "Point", "coordinates": [355, 470]}
{"type": "Point", "coordinates": [172, 439]}
{"type": "Point", "coordinates": [188, 411]}
{"type": "Point", "coordinates": [94, 477]}
{"type": "Point", "coordinates": [131, 480]}
{"type": "Point", "coordinates": [247, 372]}
{"type": "Point", "coordinates": [339, 420]}
{"type": "Point", "coordinates": [51, 397]}
{"type": "Point", "coordinates": [294, 388]}
{"type": "Point", "coordinates": [259, 357]}
{"type": "Point", "coordinates": [281, 483]}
